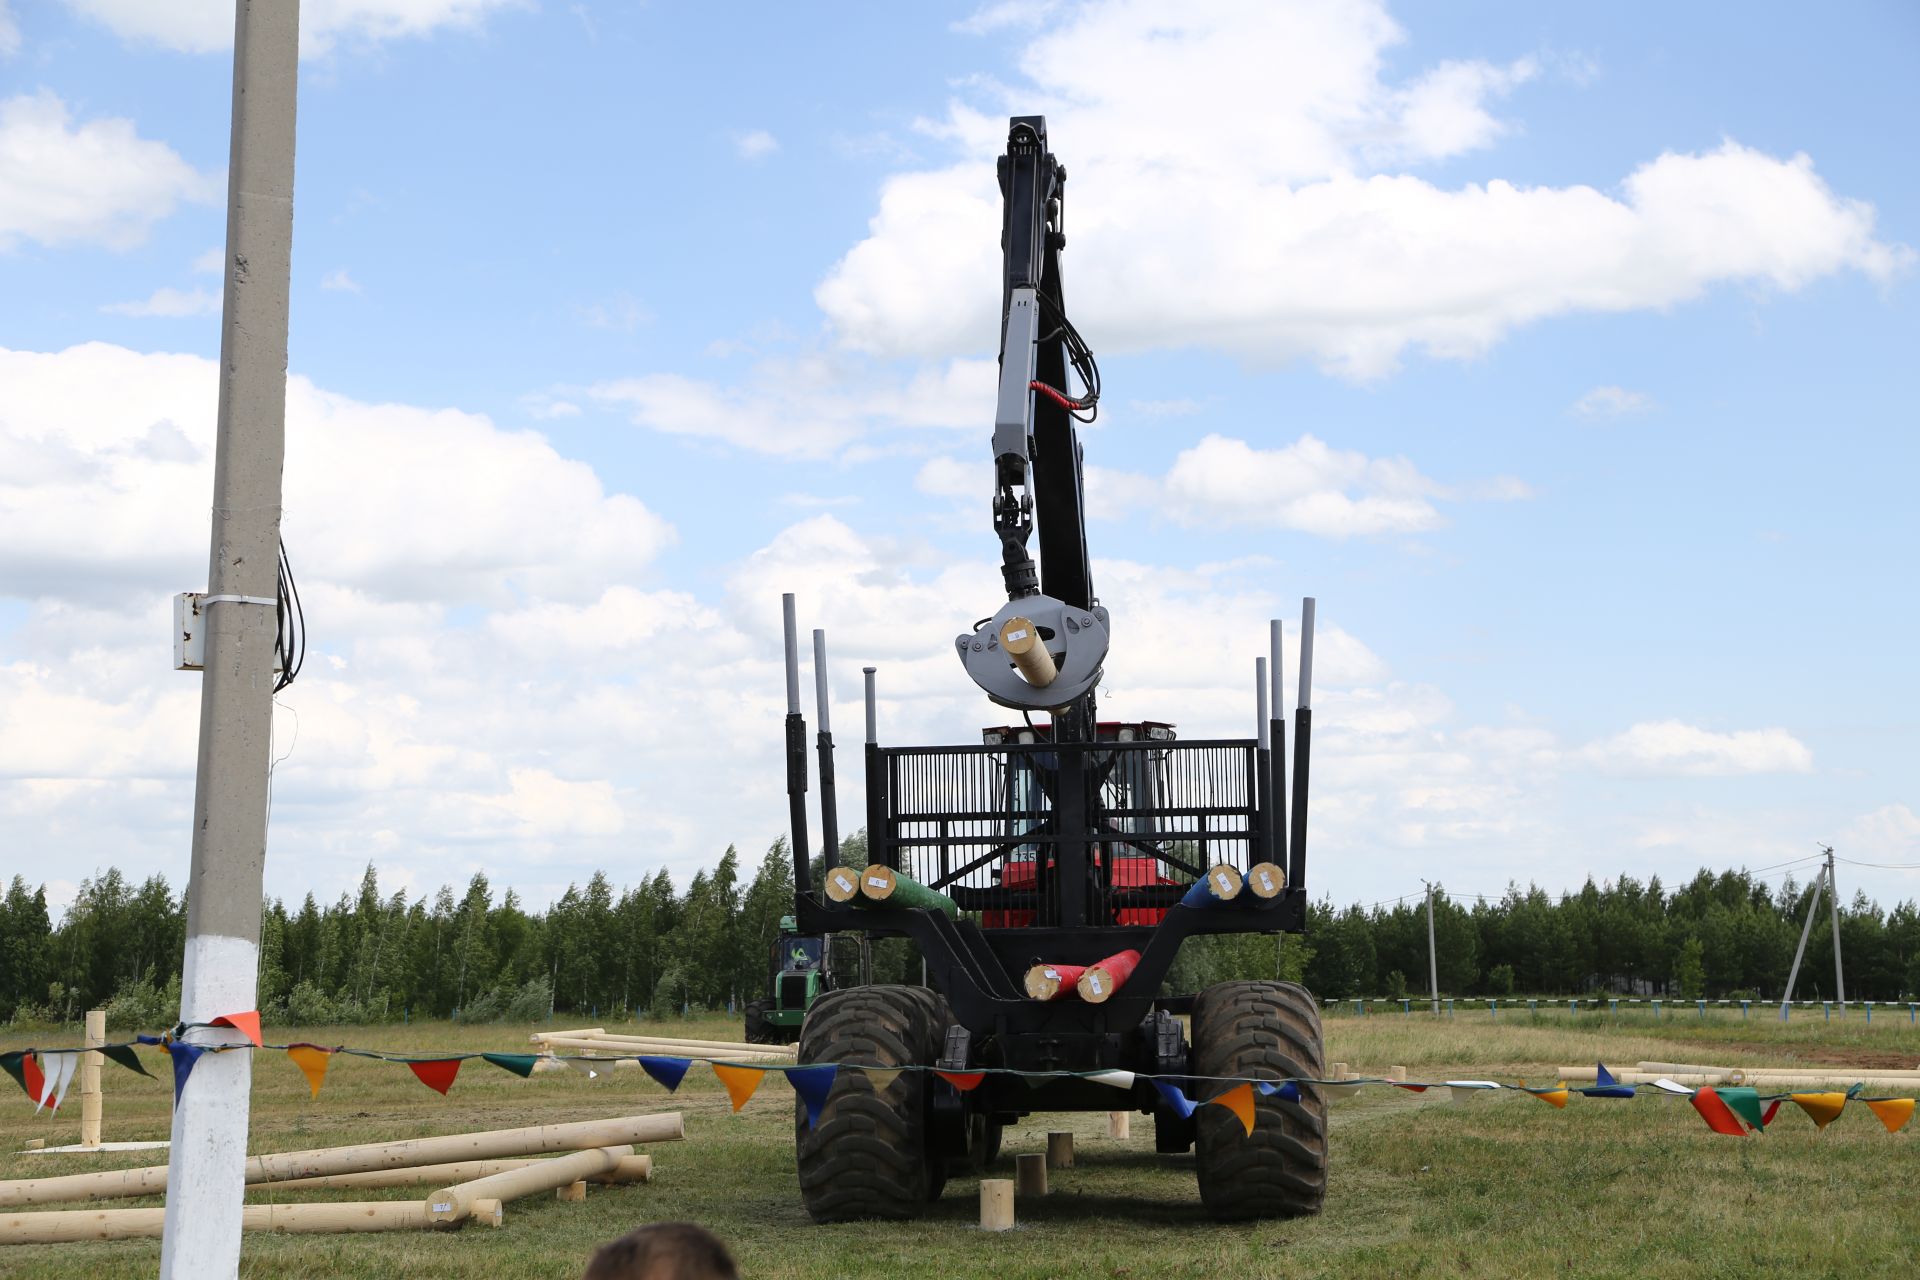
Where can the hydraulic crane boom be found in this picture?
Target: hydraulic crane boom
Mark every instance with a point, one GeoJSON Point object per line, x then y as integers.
{"type": "Point", "coordinates": [1037, 457]}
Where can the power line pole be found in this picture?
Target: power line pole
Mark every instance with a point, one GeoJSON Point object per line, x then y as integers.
{"type": "Point", "coordinates": [1833, 905]}
{"type": "Point", "coordinates": [1433, 956]}
{"type": "Point", "coordinates": [1806, 931]}
{"type": "Point", "coordinates": [207, 1162]}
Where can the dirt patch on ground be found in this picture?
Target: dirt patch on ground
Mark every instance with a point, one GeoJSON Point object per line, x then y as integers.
{"type": "Point", "coordinates": [1827, 1055]}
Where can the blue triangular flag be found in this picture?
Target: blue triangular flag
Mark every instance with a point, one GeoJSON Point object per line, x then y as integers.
{"type": "Point", "coordinates": [668, 1071]}
{"type": "Point", "coordinates": [185, 1057]}
{"type": "Point", "coordinates": [148, 1040]}
{"type": "Point", "coordinates": [1287, 1090]}
{"type": "Point", "coordinates": [1605, 1086]}
{"type": "Point", "coordinates": [812, 1084]}
{"type": "Point", "coordinates": [1180, 1102]}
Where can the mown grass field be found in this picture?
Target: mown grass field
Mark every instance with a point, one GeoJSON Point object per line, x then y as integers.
{"type": "Point", "coordinates": [1496, 1186]}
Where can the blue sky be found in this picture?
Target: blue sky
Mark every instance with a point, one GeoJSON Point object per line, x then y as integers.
{"type": "Point", "coordinates": [1564, 355]}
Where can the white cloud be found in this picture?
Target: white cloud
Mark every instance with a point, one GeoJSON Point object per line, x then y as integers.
{"type": "Point", "coordinates": [1006, 13]}
{"type": "Point", "coordinates": [211, 262]}
{"type": "Point", "coordinates": [808, 406]}
{"type": "Point", "coordinates": [171, 303]}
{"type": "Point", "coordinates": [338, 281]}
{"type": "Point", "coordinates": [92, 183]}
{"type": "Point", "coordinates": [1891, 831]}
{"type": "Point", "coordinates": [1671, 748]}
{"type": "Point", "coordinates": [756, 144]}
{"type": "Point", "coordinates": [1281, 229]}
{"type": "Point", "coordinates": [9, 32]}
{"type": "Point", "coordinates": [200, 26]}
{"type": "Point", "coordinates": [1612, 402]}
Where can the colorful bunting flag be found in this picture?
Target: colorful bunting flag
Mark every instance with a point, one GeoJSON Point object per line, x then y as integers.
{"type": "Point", "coordinates": [881, 1078]}
{"type": "Point", "coordinates": [247, 1024]}
{"type": "Point", "coordinates": [964, 1081]}
{"type": "Point", "coordinates": [1238, 1100]}
{"type": "Point", "coordinates": [1822, 1108]}
{"type": "Point", "coordinates": [1286, 1090]}
{"type": "Point", "coordinates": [1117, 1079]}
{"type": "Point", "coordinates": [1605, 1086]}
{"type": "Point", "coordinates": [1340, 1089]}
{"type": "Point", "coordinates": [1745, 1103]}
{"type": "Point", "coordinates": [313, 1062]}
{"type": "Point", "coordinates": [185, 1058]}
{"type": "Point", "coordinates": [521, 1064]}
{"type": "Point", "coordinates": [59, 1074]}
{"type": "Point", "coordinates": [1668, 1086]}
{"type": "Point", "coordinates": [1773, 1109]}
{"type": "Point", "coordinates": [1715, 1112]}
{"type": "Point", "coordinates": [1893, 1112]}
{"type": "Point", "coordinates": [667, 1071]}
{"type": "Point", "coordinates": [13, 1063]}
{"type": "Point", "coordinates": [740, 1081]}
{"type": "Point", "coordinates": [1182, 1105]}
{"type": "Point", "coordinates": [1556, 1096]}
{"type": "Point", "coordinates": [812, 1084]}
{"type": "Point", "coordinates": [33, 1077]}
{"type": "Point", "coordinates": [435, 1073]}
{"type": "Point", "coordinates": [126, 1057]}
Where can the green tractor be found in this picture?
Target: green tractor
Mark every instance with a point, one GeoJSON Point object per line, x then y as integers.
{"type": "Point", "coordinates": [801, 969]}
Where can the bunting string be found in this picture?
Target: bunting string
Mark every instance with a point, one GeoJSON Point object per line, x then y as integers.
{"type": "Point", "coordinates": [1735, 1111]}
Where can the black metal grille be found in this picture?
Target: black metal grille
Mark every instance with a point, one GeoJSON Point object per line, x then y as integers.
{"type": "Point", "coordinates": [1045, 834]}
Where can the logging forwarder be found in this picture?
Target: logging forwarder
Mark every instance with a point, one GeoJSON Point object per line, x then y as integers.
{"type": "Point", "coordinates": [1050, 873]}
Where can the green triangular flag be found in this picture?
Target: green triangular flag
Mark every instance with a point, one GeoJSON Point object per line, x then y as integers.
{"type": "Point", "coordinates": [521, 1064]}
{"type": "Point", "coordinates": [126, 1057]}
{"type": "Point", "coordinates": [1745, 1103]}
{"type": "Point", "coordinates": [10, 1063]}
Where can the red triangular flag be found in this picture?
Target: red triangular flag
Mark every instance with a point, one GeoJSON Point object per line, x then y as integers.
{"type": "Point", "coordinates": [964, 1081]}
{"type": "Point", "coordinates": [1772, 1107]}
{"type": "Point", "coordinates": [437, 1073]}
{"type": "Point", "coordinates": [1410, 1088]}
{"type": "Point", "coordinates": [36, 1080]}
{"type": "Point", "coordinates": [1716, 1113]}
{"type": "Point", "coordinates": [247, 1024]}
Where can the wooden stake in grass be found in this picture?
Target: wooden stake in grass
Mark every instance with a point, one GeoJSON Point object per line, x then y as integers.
{"type": "Point", "coordinates": [1030, 1173]}
{"type": "Point", "coordinates": [1101, 980]}
{"type": "Point", "coordinates": [880, 883]}
{"type": "Point", "coordinates": [1060, 1150]}
{"type": "Point", "coordinates": [996, 1204]}
{"type": "Point", "coordinates": [1052, 981]}
{"type": "Point", "coordinates": [1266, 879]}
{"type": "Point", "coordinates": [1120, 1124]}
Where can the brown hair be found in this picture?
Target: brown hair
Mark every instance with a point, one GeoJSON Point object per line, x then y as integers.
{"type": "Point", "coordinates": [663, 1251]}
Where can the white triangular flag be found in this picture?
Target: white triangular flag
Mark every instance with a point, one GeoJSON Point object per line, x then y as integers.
{"type": "Point", "coordinates": [1118, 1079]}
{"type": "Point", "coordinates": [59, 1073]}
{"type": "Point", "coordinates": [1671, 1087]}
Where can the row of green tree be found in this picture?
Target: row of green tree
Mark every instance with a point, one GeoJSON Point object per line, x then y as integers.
{"type": "Point", "coordinates": [651, 948]}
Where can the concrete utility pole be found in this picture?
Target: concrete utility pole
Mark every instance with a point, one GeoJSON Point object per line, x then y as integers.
{"type": "Point", "coordinates": [207, 1163]}
{"type": "Point", "coordinates": [1833, 905]}
{"type": "Point", "coordinates": [1433, 956]}
{"type": "Point", "coordinates": [1806, 931]}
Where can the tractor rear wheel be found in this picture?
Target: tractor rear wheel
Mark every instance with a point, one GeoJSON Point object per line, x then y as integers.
{"type": "Point", "coordinates": [759, 1031]}
{"type": "Point", "coordinates": [867, 1157]}
{"type": "Point", "coordinates": [1267, 1030]}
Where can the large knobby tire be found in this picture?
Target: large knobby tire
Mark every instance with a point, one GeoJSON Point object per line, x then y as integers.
{"type": "Point", "coordinates": [867, 1157]}
{"type": "Point", "coordinates": [758, 1029]}
{"type": "Point", "coordinates": [1265, 1030]}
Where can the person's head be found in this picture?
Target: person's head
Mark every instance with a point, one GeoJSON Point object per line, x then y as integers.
{"type": "Point", "coordinates": [663, 1251]}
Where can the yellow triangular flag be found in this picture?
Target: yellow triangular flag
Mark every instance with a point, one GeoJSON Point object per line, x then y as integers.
{"type": "Point", "coordinates": [1558, 1097]}
{"type": "Point", "coordinates": [1238, 1100]}
{"type": "Point", "coordinates": [1893, 1112]}
{"type": "Point", "coordinates": [882, 1078]}
{"type": "Point", "coordinates": [313, 1062]}
{"type": "Point", "coordinates": [740, 1081]}
{"type": "Point", "coordinates": [1824, 1108]}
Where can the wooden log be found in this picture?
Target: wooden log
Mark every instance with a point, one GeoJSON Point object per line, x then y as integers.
{"type": "Point", "coordinates": [612, 1041]}
{"type": "Point", "coordinates": [90, 1062]}
{"type": "Point", "coordinates": [488, 1213]}
{"type": "Point", "coordinates": [662, 1049]}
{"type": "Point", "coordinates": [64, 1226]}
{"type": "Point", "coordinates": [538, 1036]}
{"type": "Point", "coordinates": [1120, 1124]}
{"type": "Point", "coordinates": [1030, 1173]}
{"type": "Point", "coordinates": [843, 884]}
{"type": "Point", "coordinates": [1052, 981]}
{"type": "Point", "coordinates": [1396, 1073]}
{"type": "Point", "coordinates": [630, 1170]}
{"type": "Point", "coordinates": [1266, 879]}
{"type": "Point", "coordinates": [284, 1167]}
{"type": "Point", "coordinates": [1799, 1069]}
{"type": "Point", "coordinates": [880, 883]}
{"type": "Point", "coordinates": [1021, 639]}
{"type": "Point", "coordinates": [572, 1193]}
{"type": "Point", "coordinates": [1338, 1071]}
{"type": "Point", "coordinates": [453, 1205]}
{"type": "Point", "coordinates": [1101, 980]}
{"type": "Point", "coordinates": [1222, 883]}
{"type": "Point", "coordinates": [996, 1204]}
{"type": "Point", "coordinates": [1060, 1150]}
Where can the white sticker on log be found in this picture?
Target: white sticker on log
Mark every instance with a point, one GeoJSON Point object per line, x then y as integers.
{"type": "Point", "coordinates": [1266, 882]}
{"type": "Point", "coordinates": [1093, 983]}
{"type": "Point", "coordinates": [878, 882]}
{"type": "Point", "coordinates": [844, 882]}
{"type": "Point", "coordinates": [444, 1207]}
{"type": "Point", "coordinates": [1017, 635]}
